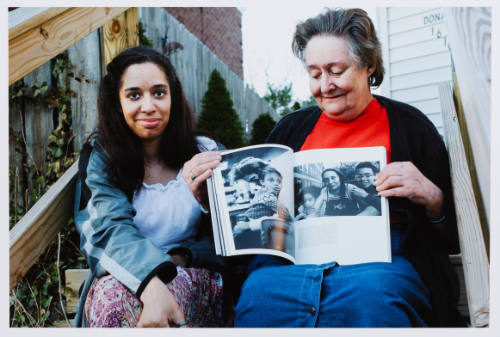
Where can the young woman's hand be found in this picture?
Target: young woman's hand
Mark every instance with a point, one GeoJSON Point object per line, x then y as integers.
{"type": "Point", "coordinates": [197, 170]}
{"type": "Point", "coordinates": [403, 179]}
{"type": "Point", "coordinates": [160, 309]}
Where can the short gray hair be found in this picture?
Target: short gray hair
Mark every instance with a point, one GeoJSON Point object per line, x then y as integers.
{"type": "Point", "coordinates": [352, 24]}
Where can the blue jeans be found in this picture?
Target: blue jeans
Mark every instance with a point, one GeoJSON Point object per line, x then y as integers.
{"type": "Point", "coordinates": [364, 295]}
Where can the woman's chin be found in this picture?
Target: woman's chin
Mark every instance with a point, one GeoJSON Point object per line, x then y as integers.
{"type": "Point", "coordinates": [340, 113]}
{"type": "Point", "coordinates": [149, 137]}
{"type": "Point", "coordinates": [336, 115]}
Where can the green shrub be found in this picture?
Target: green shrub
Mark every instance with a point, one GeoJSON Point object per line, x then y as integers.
{"type": "Point", "coordinates": [261, 128]}
{"type": "Point", "coordinates": [218, 116]}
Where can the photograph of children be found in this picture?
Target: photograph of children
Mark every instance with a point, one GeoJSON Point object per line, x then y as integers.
{"type": "Point", "coordinates": [253, 185]}
{"type": "Point", "coordinates": [345, 189]}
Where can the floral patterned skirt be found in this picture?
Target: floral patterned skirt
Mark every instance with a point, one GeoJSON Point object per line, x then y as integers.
{"type": "Point", "coordinates": [198, 292]}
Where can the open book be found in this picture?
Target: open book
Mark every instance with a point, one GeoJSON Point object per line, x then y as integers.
{"type": "Point", "coordinates": [312, 206]}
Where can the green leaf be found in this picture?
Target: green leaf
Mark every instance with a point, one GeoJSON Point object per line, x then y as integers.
{"type": "Point", "coordinates": [56, 151]}
{"type": "Point", "coordinates": [52, 149]}
{"type": "Point", "coordinates": [59, 153]}
{"type": "Point", "coordinates": [46, 301]}
{"type": "Point", "coordinates": [40, 180]}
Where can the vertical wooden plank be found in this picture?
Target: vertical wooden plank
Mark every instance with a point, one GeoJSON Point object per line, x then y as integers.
{"type": "Point", "coordinates": [469, 33]}
{"type": "Point", "coordinates": [38, 120]}
{"type": "Point", "coordinates": [74, 280]}
{"type": "Point", "coordinates": [131, 23]}
{"type": "Point", "coordinates": [474, 258]}
{"type": "Point", "coordinates": [120, 33]}
{"type": "Point", "coordinates": [85, 58]}
{"type": "Point", "coordinates": [16, 154]}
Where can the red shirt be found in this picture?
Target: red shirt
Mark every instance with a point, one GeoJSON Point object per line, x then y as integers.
{"type": "Point", "coordinates": [371, 128]}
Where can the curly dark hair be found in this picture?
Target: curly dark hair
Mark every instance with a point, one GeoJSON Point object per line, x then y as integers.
{"type": "Point", "coordinates": [123, 147]}
{"type": "Point", "coordinates": [247, 166]}
{"type": "Point", "coordinates": [353, 24]}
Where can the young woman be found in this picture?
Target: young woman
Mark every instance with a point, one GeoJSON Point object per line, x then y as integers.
{"type": "Point", "coordinates": [140, 202]}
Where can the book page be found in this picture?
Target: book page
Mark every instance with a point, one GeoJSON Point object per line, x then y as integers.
{"type": "Point", "coordinates": [256, 206]}
{"type": "Point", "coordinates": [216, 230]}
{"type": "Point", "coordinates": [338, 214]}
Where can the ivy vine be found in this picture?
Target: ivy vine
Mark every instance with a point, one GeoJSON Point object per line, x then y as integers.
{"type": "Point", "coordinates": [35, 301]}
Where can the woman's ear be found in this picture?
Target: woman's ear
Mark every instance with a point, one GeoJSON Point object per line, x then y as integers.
{"type": "Point", "coordinates": [371, 67]}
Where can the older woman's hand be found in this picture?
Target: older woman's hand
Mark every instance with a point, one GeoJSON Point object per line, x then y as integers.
{"type": "Point", "coordinates": [403, 179]}
{"type": "Point", "coordinates": [197, 170]}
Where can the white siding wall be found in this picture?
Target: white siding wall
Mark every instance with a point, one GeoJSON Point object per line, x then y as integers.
{"type": "Point", "coordinates": [416, 57]}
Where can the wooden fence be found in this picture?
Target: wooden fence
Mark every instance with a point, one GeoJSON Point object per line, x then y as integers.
{"type": "Point", "coordinates": [194, 63]}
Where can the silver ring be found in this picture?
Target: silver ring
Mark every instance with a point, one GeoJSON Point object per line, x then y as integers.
{"type": "Point", "coordinates": [193, 178]}
{"type": "Point", "coordinates": [182, 323]}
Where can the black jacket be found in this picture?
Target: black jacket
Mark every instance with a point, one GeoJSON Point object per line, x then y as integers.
{"type": "Point", "coordinates": [413, 138]}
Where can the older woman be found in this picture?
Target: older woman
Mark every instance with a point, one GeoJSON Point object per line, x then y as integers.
{"type": "Point", "coordinates": [342, 55]}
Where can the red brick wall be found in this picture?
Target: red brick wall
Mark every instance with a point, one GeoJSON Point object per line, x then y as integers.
{"type": "Point", "coordinates": [219, 28]}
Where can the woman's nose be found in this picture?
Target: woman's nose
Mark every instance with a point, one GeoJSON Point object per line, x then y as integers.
{"type": "Point", "coordinates": [327, 83]}
{"type": "Point", "coordinates": [147, 104]}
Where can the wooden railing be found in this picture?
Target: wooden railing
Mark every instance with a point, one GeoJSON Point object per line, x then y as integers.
{"type": "Point", "coordinates": [44, 34]}
{"type": "Point", "coordinates": [36, 35]}
{"type": "Point", "coordinates": [467, 116]}
{"type": "Point", "coordinates": [36, 229]}
{"type": "Point", "coordinates": [472, 243]}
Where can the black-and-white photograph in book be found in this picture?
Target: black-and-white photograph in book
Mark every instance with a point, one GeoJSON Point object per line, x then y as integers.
{"type": "Point", "coordinates": [346, 189]}
{"type": "Point", "coordinates": [252, 186]}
